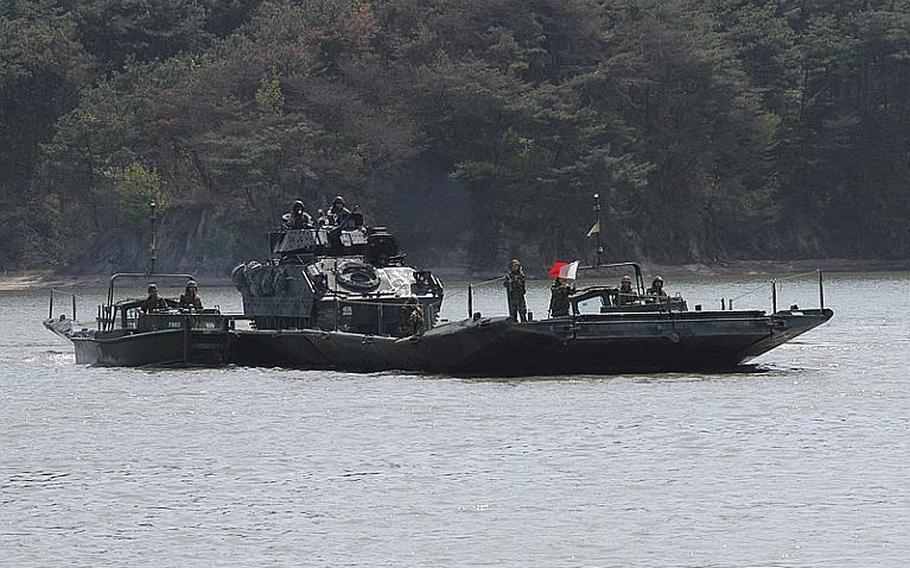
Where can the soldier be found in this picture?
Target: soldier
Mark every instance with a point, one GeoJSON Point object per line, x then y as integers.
{"type": "Point", "coordinates": [297, 218]}
{"type": "Point", "coordinates": [154, 303]}
{"type": "Point", "coordinates": [338, 212]}
{"type": "Point", "coordinates": [410, 320]}
{"type": "Point", "coordinates": [626, 294]}
{"type": "Point", "coordinates": [190, 297]}
{"type": "Point", "coordinates": [559, 298]}
{"type": "Point", "coordinates": [514, 283]}
{"type": "Point", "coordinates": [656, 291]}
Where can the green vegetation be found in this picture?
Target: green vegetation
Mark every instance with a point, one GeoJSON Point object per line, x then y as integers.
{"type": "Point", "coordinates": [712, 128]}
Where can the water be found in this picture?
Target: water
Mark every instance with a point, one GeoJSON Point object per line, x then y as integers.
{"type": "Point", "coordinates": [803, 462]}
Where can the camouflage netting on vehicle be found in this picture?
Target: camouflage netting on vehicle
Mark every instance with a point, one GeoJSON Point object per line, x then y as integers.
{"type": "Point", "coordinates": [256, 279]}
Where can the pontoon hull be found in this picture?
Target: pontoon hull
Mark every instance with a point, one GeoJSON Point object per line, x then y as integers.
{"type": "Point", "coordinates": [165, 348]}
{"type": "Point", "coordinates": [602, 344]}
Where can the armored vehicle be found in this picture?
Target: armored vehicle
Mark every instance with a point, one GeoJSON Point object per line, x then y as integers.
{"type": "Point", "coordinates": [343, 277]}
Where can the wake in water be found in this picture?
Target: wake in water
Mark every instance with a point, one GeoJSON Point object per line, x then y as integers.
{"type": "Point", "coordinates": [48, 358]}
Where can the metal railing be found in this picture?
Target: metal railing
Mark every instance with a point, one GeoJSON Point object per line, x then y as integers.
{"type": "Point", "coordinates": [726, 304]}
{"type": "Point", "coordinates": [50, 307]}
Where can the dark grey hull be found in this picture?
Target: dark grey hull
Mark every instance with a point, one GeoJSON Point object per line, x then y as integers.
{"type": "Point", "coordinates": [599, 344]}
{"type": "Point", "coordinates": [593, 344]}
{"type": "Point", "coordinates": [165, 348]}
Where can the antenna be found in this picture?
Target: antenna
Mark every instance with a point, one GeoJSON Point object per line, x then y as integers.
{"type": "Point", "coordinates": [597, 226]}
{"type": "Point", "coordinates": [154, 251]}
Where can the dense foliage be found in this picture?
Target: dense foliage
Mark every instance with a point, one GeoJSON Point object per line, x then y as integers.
{"type": "Point", "coordinates": [478, 129]}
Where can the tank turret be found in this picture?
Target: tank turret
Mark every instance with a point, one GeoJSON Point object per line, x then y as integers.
{"type": "Point", "coordinates": [344, 276]}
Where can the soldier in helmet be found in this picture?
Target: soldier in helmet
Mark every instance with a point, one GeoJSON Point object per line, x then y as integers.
{"type": "Point", "coordinates": [626, 294]}
{"type": "Point", "coordinates": [189, 300]}
{"type": "Point", "coordinates": [656, 292]}
{"type": "Point", "coordinates": [298, 218]}
{"type": "Point", "coordinates": [514, 283]}
{"type": "Point", "coordinates": [154, 303]}
{"type": "Point", "coordinates": [410, 320]}
{"type": "Point", "coordinates": [338, 212]}
{"type": "Point", "coordinates": [559, 297]}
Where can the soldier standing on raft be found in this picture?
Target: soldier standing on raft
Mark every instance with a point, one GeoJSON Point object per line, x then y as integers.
{"type": "Point", "coordinates": [515, 286]}
{"type": "Point", "coordinates": [411, 318]}
{"type": "Point", "coordinates": [559, 298]}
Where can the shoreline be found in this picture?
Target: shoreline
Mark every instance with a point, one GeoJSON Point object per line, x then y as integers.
{"type": "Point", "coordinates": [725, 268]}
{"type": "Point", "coordinates": [46, 279]}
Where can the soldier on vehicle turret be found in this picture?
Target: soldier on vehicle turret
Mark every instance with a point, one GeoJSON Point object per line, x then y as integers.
{"type": "Point", "coordinates": [190, 297]}
{"type": "Point", "coordinates": [338, 212]}
{"type": "Point", "coordinates": [626, 294]}
{"type": "Point", "coordinates": [515, 286]}
{"type": "Point", "coordinates": [298, 218]}
{"type": "Point", "coordinates": [154, 303]}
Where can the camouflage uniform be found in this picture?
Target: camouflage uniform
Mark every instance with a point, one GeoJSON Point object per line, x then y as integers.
{"type": "Point", "coordinates": [338, 212]}
{"type": "Point", "coordinates": [297, 218]}
{"type": "Point", "coordinates": [656, 291]}
{"type": "Point", "coordinates": [190, 300]}
{"type": "Point", "coordinates": [410, 320]}
{"type": "Point", "coordinates": [559, 298]}
{"type": "Point", "coordinates": [187, 302]}
{"type": "Point", "coordinates": [515, 285]}
{"type": "Point", "coordinates": [626, 294]}
{"type": "Point", "coordinates": [153, 304]}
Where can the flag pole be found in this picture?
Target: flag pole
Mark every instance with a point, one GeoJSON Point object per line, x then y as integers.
{"type": "Point", "coordinates": [597, 209]}
{"type": "Point", "coordinates": [154, 248]}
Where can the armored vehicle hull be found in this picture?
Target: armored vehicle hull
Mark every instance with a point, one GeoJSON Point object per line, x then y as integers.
{"type": "Point", "coordinates": [341, 277]}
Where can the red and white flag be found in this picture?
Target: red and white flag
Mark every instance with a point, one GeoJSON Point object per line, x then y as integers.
{"type": "Point", "coordinates": [565, 270]}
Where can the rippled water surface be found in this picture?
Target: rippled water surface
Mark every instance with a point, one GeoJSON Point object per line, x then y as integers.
{"type": "Point", "coordinates": [800, 462]}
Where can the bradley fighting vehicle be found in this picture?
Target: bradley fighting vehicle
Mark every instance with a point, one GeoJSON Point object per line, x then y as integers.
{"type": "Point", "coordinates": [341, 276]}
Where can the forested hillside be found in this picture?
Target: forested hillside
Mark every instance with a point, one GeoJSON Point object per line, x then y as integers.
{"type": "Point", "coordinates": [476, 129]}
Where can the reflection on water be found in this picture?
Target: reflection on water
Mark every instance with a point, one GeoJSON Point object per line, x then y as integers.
{"type": "Point", "coordinates": [799, 461]}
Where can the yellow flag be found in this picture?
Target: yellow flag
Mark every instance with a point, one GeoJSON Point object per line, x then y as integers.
{"type": "Point", "coordinates": [595, 229]}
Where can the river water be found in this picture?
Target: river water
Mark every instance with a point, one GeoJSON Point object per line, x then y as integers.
{"type": "Point", "coordinates": [802, 461]}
